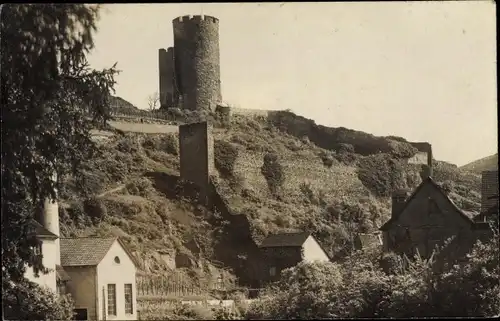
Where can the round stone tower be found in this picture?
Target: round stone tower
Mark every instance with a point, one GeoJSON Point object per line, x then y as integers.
{"type": "Point", "coordinates": [197, 61]}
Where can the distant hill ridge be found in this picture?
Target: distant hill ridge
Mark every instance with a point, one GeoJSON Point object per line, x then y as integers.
{"type": "Point", "coordinates": [488, 163]}
{"type": "Point", "coordinates": [120, 104]}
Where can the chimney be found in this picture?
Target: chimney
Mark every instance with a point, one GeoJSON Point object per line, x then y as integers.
{"type": "Point", "coordinates": [429, 160]}
{"type": "Point", "coordinates": [425, 171]}
{"type": "Point", "coordinates": [51, 221]}
{"type": "Point", "coordinates": [399, 198]}
{"type": "Point", "coordinates": [489, 190]}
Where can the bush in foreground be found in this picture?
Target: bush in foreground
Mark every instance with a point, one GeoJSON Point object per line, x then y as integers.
{"type": "Point", "coordinates": [28, 301]}
{"type": "Point", "coordinates": [359, 288]}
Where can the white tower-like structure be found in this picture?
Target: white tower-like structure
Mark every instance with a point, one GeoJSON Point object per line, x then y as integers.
{"type": "Point", "coordinates": [51, 221]}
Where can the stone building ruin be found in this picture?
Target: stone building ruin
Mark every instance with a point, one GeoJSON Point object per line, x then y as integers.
{"type": "Point", "coordinates": [196, 146]}
{"type": "Point", "coordinates": [189, 72]}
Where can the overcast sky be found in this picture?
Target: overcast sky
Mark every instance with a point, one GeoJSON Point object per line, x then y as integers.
{"type": "Point", "coordinates": [425, 71]}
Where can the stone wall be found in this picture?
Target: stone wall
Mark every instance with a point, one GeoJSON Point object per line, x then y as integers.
{"type": "Point", "coordinates": [197, 61]}
{"type": "Point", "coordinates": [334, 138]}
{"type": "Point", "coordinates": [196, 155]}
{"type": "Point", "coordinates": [419, 158]}
{"type": "Point", "coordinates": [424, 151]}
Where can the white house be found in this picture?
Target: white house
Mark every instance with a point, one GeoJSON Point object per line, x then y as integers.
{"type": "Point", "coordinates": [48, 248]}
{"type": "Point", "coordinates": [99, 273]}
{"type": "Point", "coordinates": [47, 231]}
{"type": "Point", "coordinates": [102, 278]}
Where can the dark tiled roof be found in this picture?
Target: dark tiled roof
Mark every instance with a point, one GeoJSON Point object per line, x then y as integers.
{"type": "Point", "coordinates": [61, 274]}
{"type": "Point", "coordinates": [428, 180]}
{"type": "Point", "coordinates": [84, 250]}
{"type": "Point", "coordinates": [285, 239]}
{"type": "Point", "coordinates": [41, 231]}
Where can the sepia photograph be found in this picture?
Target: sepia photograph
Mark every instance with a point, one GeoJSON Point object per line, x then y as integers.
{"type": "Point", "coordinates": [249, 161]}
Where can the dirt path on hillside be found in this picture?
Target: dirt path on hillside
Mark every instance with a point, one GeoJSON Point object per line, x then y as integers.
{"type": "Point", "coordinates": [116, 189]}
{"type": "Point", "coordinates": [122, 186]}
{"type": "Point", "coordinates": [144, 128]}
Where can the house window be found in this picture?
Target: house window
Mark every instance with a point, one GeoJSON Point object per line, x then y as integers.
{"type": "Point", "coordinates": [129, 307]}
{"type": "Point", "coordinates": [117, 260]}
{"type": "Point", "coordinates": [37, 249]}
{"type": "Point", "coordinates": [272, 271]}
{"type": "Point", "coordinates": [111, 299]}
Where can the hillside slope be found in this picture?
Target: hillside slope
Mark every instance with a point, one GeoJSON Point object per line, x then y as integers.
{"type": "Point", "coordinates": [119, 104]}
{"type": "Point", "coordinates": [333, 191]}
{"type": "Point", "coordinates": [488, 163]}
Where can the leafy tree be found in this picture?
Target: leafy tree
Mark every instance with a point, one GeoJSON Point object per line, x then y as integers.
{"type": "Point", "coordinates": [358, 288]}
{"type": "Point", "coordinates": [225, 157]}
{"type": "Point", "coordinates": [95, 209]}
{"type": "Point", "coordinates": [273, 173]}
{"type": "Point", "coordinates": [50, 99]}
{"type": "Point", "coordinates": [472, 288]}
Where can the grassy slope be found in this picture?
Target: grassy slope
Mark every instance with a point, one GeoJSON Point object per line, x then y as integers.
{"type": "Point", "coordinates": [484, 164]}
{"type": "Point", "coordinates": [332, 193]}
{"type": "Point", "coordinates": [351, 195]}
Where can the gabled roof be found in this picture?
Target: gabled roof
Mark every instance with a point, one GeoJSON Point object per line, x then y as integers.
{"type": "Point", "coordinates": [42, 232]}
{"type": "Point", "coordinates": [285, 240]}
{"type": "Point", "coordinates": [85, 251]}
{"type": "Point", "coordinates": [426, 181]}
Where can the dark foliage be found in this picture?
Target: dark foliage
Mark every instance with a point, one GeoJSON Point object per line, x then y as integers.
{"type": "Point", "coordinates": [50, 100]}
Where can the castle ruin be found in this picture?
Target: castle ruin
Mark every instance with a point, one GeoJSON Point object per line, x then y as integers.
{"type": "Point", "coordinates": [196, 146]}
{"type": "Point", "coordinates": [189, 72]}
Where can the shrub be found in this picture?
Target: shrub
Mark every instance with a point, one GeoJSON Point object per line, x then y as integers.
{"type": "Point", "coordinates": [283, 221]}
{"type": "Point", "coordinates": [327, 159]}
{"type": "Point", "coordinates": [308, 193]}
{"type": "Point", "coordinates": [90, 183]}
{"type": "Point", "coordinates": [28, 301]}
{"type": "Point", "coordinates": [141, 186]}
{"type": "Point", "coordinates": [380, 174]}
{"type": "Point", "coordinates": [345, 158]}
{"type": "Point", "coordinates": [170, 144]}
{"type": "Point", "coordinates": [391, 263]}
{"type": "Point", "coordinates": [225, 155]}
{"type": "Point", "coordinates": [189, 312]}
{"type": "Point", "coordinates": [126, 145]}
{"type": "Point", "coordinates": [358, 288]}
{"type": "Point", "coordinates": [116, 168]}
{"type": "Point", "coordinates": [77, 214]}
{"type": "Point", "coordinates": [273, 173]}
{"type": "Point", "coordinates": [402, 149]}
{"type": "Point", "coordinates": [95, 209]}
{"type": "Point", "coordinates": [345, 148]}
{"type": "Point", "coordinates": [224, 314]}
{"type": "Point", "coordinates": [149, 143]}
